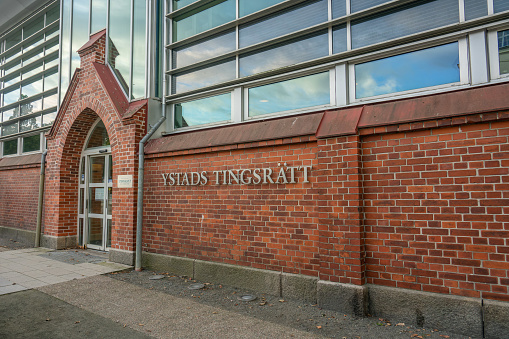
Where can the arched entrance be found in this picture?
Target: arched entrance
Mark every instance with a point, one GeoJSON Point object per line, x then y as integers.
{"type": "Point", "coordinates": [96, 190]}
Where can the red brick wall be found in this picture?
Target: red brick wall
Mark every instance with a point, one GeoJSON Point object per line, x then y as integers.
{"type": "Point", "coordinates": [19, 193]}
{"type": "Point", "coordinates": [421, 206]}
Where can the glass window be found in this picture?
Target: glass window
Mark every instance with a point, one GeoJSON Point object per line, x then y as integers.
{"type": "Point", "coordinates": [36, 55]}
{"type": "Point", "coordinates": [359, 5]}
{"type": "Point", "coordinates": [13, 54]}
{"type": "Point", "coordinates": [404, 20]}
{"type": "Point", "coordinates": [12, 79]}
{"type": "Point", "coordinates": [424, 68]}
{"type": "Point", "coordinates": [80, 34]}
{"type": "Point", "coordinates": [306, 91]}
{"type": "Point", "coordinates": [99, 10]}
{"type": "Point", "coordinates": [178, 4]}
{"type": "Point", "coordinates": [50, 33]}
{"type": "Point", "coordinates": [288, 21]}
{"type": "Point", "coordinates": [32, 143]}
{"type": "Point", "coordinates": [290, 53]}
{"type": "Point", "coordinates": [10, 147]}
{"type": "Point", "coordinates": [48, 118]}
{"type": "Point", "coordinates": [10, 129]}
{"type": "Point", "coordinates": [13, 38]}
{"type": "Point", "coordinates": [12, 67]}
{"type": "Point", "coordinates": [204, 18]}
{"type": "Point", "coordinates": [10, 113]}
{"type": "Point", "coordinates": [50, 81]}
{"type": "Point", "coordinates": [339, 39]}
{"type": "Point", "coordinates": [29, 124]}
{"type": "Point", "coordinates": [33, 43]}
{"type": "Point", "coordinates": [32, 88]}
{"type": "Point", "coordinates": [204, 77]}
{"type": "Point", "coordinates": [51, 48]}
{"type": "Point", "coordinates": [11, 97]}
{"type": "Point", "coordinates": [52, 14]}
{"type": "Point", "coordinates": [31, 107]}
{"type": "Point", "coordinates": [33, 26]}
{"type": "Point", "coordinates": [203, 111]}
{"type": "Point", "coordinates": [503, 51]}
{"type": "Point", "coordinates": [52, 62]}
{"type": "Point", "coordinates": [204, 49]}
{"type": "Point", "coordinates": [99, 136]}
{"type": "Point", "coordinates": [120, 40]}
{"type": "Point", "coordinates": [475, 9]}
{"type": "Point", "coordinates": [500, 5]}
{"type": "Point", "coordinates": [50, 101]}
{"type": "Point", "coordinates": [338, 8]}
{"type": "Point", "coordinates": [139, 50]}
{"type": "Point", "coordinates": [247, 7]}
{"type": "Point", "coordinates": [33, 69]}
{"type": "Point", "coordinates": [66, 47]}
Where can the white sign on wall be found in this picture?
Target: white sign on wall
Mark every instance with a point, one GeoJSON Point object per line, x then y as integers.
{"type": "Point", "coordinates": [125, 181]}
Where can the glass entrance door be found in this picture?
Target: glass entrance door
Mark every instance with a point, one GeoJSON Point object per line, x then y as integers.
{"type": "Point", "coordinates": [94, 217]}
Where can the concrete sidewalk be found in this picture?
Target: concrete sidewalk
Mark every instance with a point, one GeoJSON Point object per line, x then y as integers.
{"type": "Point", "coordinates": [36, 267]}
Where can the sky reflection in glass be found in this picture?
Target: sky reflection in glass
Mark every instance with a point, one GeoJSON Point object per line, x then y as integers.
{"type": "Point", "coordinates": [99, 11]}
{"type": "Point", "coordinates": [120, 36]}
{"type": "Point", "coordinates": [500, 5]}
{"type": "Point", "coordinates": [419, 69]}
{"type": "Point", "coordinates": [203, 111]}
{"type": "Point", "coordinates": [307, 91]}
{"type": "Point", "coordinates": [503, 51]}
{"type": "Point", "coordinates": [177, 4]}
{"type": "Point", "coordinates": [297, 51]}
{"type": "Point", "coordinates": [139, 50]}
{"type": "Point", "coordinates": [204, 77]}
{"type": "Point", "coordinates": [338, 8]}
{"type": "Point", "coordinates": [204, 49]}
{"type": "Point", "coordinates": [247, 7]}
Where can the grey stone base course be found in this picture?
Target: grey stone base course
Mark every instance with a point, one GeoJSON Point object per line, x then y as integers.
{"type": "Point", "coordinates": [461, 315]}
{"type": "Point", "coordinates": [433, 310]}
{"type": "Point", "coordinates": [496, 319]}
{"type": "Point", "coordinates": [344, 298]}
{"type": "Point", "coordinates": [59, 243]}
{"type": "Point", "coordinates": [22, 236]}
{"type": "Point", "coordinates": [121, 256]}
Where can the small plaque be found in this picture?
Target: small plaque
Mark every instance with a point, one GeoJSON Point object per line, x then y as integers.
{"type": "Point", "coordinates": [125, 181]}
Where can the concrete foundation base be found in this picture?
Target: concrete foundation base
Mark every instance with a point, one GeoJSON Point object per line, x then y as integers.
{"type": "Point", "coordinates": [466, 316]}
{"type": "Point", "coordinates": [22, 236]}
{"type": "Point", "coordinates": [121, 256]}
{"type": "Point", "coordinates": [59, 243]}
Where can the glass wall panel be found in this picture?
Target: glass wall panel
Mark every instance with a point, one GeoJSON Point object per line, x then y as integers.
{"type": "Point", "coordinates": [65, 67]}
{"type": "Point", "coordinates": [203, 111]}
{"type": "Point", "coordinates": [50, 81]}
{"type": "Point", "coordinates": [139, 49]}
{"type": "Point", "coordinates": [338, 8]}
{"type": "Point", "coordinates": [247, 7]}
{"type": "Point", "coordinates": [119, 55]}
{"type": "Point", "coordinates": [48, 118]}
{"type": "Point", "coordinates": [307, 91]}
{"type": "Point", "coordinates": [50, 101]}
{"type": "Point", "coordinates": [32, 143]}
{"type": "Point", "coordinates": [13, 38]}
{"type": "Point", "coordinates": [99, 136]}
{"type": "Point", "coordinates": [500, 5]}
{"type": "Point", "coordinates": [339, 40]}
{"type": "Point", "coordinates": [99, 12]}
{"type": "Point", "coordinates": [12, 67]}
{"type": "Point", "coordinates": [33, 43]}
{"type": "Point", "coordinates": [178, 4]}
{"type": "Point", "coordinates": [12, 54]}
{"type": "Point", "coordinates": [32, 88]}
{"type": "Point", "coordinates": [34, 56]}
{"type": "Point", "coordinates": [35, 68]}
{"type": "Point", "coordinates": [10, 129]}
{"type": "Point", "coordinates": [293, 52]}
{"type": "Point", "coordinates": [50, 33]}
{"type": "Point", "coordinates": [52, 14]}
{"type": "Point", "coordinates": [419, 69]}
{"type": "Point", "coordinates": [31, 107]}
{"type": "Point", "coordinates": [288, 21]}
{"type": "Point", "coordinates": [204, 77]}
{"type": "Point", "coordinates": [204, 49]}
{"type": "Point", "coordinates": [475, 9]}
{"type": "Point", "coordinates": [404, 20]}
{"type": "Point", "coordinates": [12, 79]}
{"type": "Point", "coordinates": [80, 34]}
{"type": "Point", "coordinates": [10, 113]}
{"type": "Point", "coordinates": [204, 18]}
{"type": "Point", "coordinates": [359, 5]}
{"type": "Point", "coordinates": [51, 48]}
{"type": "Point", "coordinates": [33, 26]}
{"type": "Point", "coordinates": [11, 96]}
{"type": "Point", "coordinates": [29, 124]}
{"type": "Point", "coordinates": [51, 62]}
{"type": "Point", "coordinates": [10, 146]}
{"type": "Point", "coordinates": [503, 51]}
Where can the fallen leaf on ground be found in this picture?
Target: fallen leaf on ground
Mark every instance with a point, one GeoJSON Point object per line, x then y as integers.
{"type": "Point", "coordinates": [400, 324]}
{"type": "Point", "coordinates": [318, 327]}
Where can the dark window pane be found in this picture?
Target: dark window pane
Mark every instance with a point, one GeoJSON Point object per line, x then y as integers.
{"type": "Point", "coordinates": [50, 33]}
{"type": "Point", "coordinates": [288, 21]}
{"type": "Point", "coordinates": [419, 69]}
{"type": "Point", "coordinates": [29, 124]}
{"type": "Point", "coordinates": [120, 40]}
{"type": "Point", "coordinates": [11, 147]}
{"type": "Point", "coordinates": [34, 42]}
{"type": "Point", "coordinates": [503, 51]}
{"type": "Point", "coordinates": [32, 143]}
{"type": "Point", "coordinates": [33, 26]}
{"type": "Point", "coordinates": [500, 5]}
{"type": "Point", "coordinates": [203, 111]}
{"type": "Point", "coordinates": [307, 91]}
{"type": "Point", "coordinates": [35, 68]}
{"type": "Point", "coordinates": [203, 19]}
{"type": "Point", "coordinates": [338, 8]}
{"type": "Point", "coordinates": [13, 39]}
{"type": "Point", "coordinates": [359, 5]}
{"type": "Point", "coordinates": [405, 20]}
{"type": "Point", "coordinates": [99, 11]}
{"type": "Point", "coordinates": [178, 4]}
{"type": "Point", "coordinates": [204, 77]}
{"type": "Point", "coordinates": [290, 53]}
{"type": "Point", "coordinates": [52, 14]}
{"type": "Point", "coordinates": [475, 9]}
{"type": "Point", "coordinates": [339, 39]}
{"type": "Point", "coordinates": [247, 7]}
{"type": "Point", "coordinates": [204, 49]}
{"type": "Point", "coordinates": [99, 136]}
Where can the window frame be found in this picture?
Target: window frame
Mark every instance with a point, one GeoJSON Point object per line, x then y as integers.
{"type": "Point", "coordinates": [493, 53]}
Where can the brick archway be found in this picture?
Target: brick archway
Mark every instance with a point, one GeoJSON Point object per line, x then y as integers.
{"type": "Point", "coordinates": [93, 93]}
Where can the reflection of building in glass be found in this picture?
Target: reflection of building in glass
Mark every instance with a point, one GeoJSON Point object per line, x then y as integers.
{"type": "Point", "coordinates": [503, 47]}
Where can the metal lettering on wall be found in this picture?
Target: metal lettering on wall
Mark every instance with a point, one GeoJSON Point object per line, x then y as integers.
{"type": "Point", "coordinates": [283, 175]}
